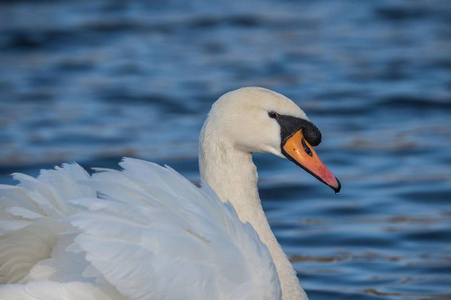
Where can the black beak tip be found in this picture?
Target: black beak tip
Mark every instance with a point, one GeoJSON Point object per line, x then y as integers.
{"type": "Point", "coordinates": [338, 188]}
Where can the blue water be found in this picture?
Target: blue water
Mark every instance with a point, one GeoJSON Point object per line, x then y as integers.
{"type": "Point", "coordinates": [92, 81]}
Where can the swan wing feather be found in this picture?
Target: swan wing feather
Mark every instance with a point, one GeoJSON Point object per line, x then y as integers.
{"type": "Point", "coordinates": [52, 290]}
{"type": "Point", "coordinates": [145, 232]}
{"type": "Point", "coordinates": [156, 235]}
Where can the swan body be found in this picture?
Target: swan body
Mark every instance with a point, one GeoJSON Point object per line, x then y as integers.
{"type": "Point", "coordinates": [146, 232]}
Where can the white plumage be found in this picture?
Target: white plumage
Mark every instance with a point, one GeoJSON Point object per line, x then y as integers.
{"type": "Point", "coordinates": [153, 234]}
{"type": "Point", "coordinates": [146, 232]}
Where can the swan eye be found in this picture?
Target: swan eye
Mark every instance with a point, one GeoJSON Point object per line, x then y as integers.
{"type": "Point", "coordinates": [273, 115]}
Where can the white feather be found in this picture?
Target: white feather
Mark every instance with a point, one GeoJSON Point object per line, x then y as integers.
{"type": "Point", "coordinates": [51, 290]}
{"type": "Point", "coordinates": [143, 238]}
{"type": "Point", "coordinates": [146, 232]}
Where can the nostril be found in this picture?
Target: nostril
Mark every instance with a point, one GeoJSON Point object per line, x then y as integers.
{"type": "Point", "coordinates": [306, 148]}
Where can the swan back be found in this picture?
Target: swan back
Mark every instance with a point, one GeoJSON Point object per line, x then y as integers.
{"type": "Point", "coordinates": [152, 234]}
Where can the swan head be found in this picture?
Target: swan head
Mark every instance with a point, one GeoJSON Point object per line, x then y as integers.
{"type": "Point", "coordinates": [254, 119]}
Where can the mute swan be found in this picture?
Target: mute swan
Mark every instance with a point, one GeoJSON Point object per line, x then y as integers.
{"type": "Point", "coordinates": [148, 233]}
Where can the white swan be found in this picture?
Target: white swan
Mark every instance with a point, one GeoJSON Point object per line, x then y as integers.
{"type": "Point", "coordinates": [146, 232]}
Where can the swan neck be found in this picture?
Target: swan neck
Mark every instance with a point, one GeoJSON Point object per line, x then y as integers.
{"type": "Point", "coordinates": [232, 174]}
{"type": "Point", "coordinates": [233, 177]}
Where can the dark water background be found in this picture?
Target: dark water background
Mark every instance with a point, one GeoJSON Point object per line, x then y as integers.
{"type": "Point", "coordinates": [92, 81]}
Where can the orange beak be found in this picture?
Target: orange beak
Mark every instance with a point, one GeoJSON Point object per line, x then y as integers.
{"type": "Point", "coordinates": [299, 151]}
